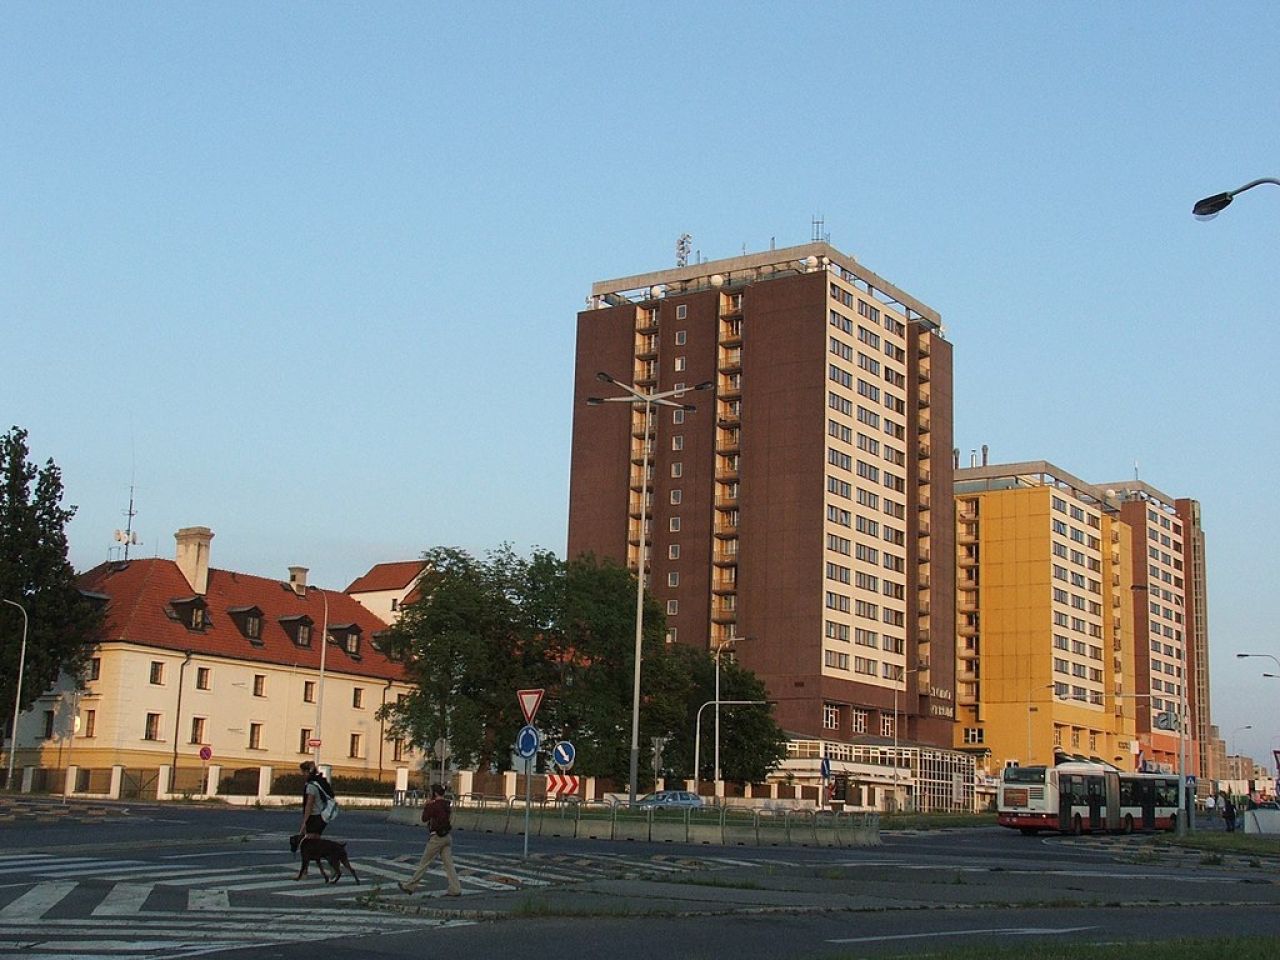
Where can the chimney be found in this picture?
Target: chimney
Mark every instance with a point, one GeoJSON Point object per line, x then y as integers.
{"type": "Point", "coordinates": [298, 580]}
{"type": "Point", "coordinates": [985, 451]}
{"type": "Point", "coordinates": [193, 556]}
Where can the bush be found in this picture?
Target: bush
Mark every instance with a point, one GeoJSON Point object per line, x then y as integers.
{"type": "Point", "coordinates": [288, 783]}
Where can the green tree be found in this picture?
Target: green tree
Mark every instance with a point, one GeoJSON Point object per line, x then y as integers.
{"type": "Point", "coordinates": [35, 572]}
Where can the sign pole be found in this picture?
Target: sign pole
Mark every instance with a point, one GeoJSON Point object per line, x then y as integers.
{"type": "Point", "coordinates": [528, 793]}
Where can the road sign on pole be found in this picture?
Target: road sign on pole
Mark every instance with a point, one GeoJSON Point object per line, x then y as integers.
{"type": "Point", "coordinates": [530, 700]}
{"type": "Point", "coordinates": [528, 740]}
{"type": "Point", "coordinates": [313, 742]}
{"type": "Point", "coordinates": [563, 755]}
{"type": "Point", "coordinates": [558, 783]}
{"type": "Point", "coordinates": [206, 753]}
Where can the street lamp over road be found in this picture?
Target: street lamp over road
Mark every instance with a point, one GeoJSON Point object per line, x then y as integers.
{"type": "Point", "coordinates": [1265, 656]}
{"type": "Point", "coordinates": [17, 695]}
{"type": "Point", "coordinates": [697, 732]}
{"type": "Point", "coordinates": [647, 401]}
{"type": "Point", "coordinates": [324, 646]}
{"type": "Point", "coordinates": [1210, 207]}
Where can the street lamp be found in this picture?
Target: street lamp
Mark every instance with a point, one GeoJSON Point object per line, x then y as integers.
{"type": "Point", "coordinates": [1032, 708]}
{"type": "Point", "coordinates": [647, 401]}
{"type": "Point", "coordinates": [1247, 726]}
{"type": "Point", "coordinates": [1210, 207]}
{"type": "Point", "coordinates": [17, 696]}
{"type": "Point", "coordinates": [697, 732]}
{"type": "Point", "coordinates": [719, 650]}
{"type": "Point", "coordinates": [896, 759]}
{"type": "Point", "coordinates": [324, 646]}
{"type": "Point", "coordinates": [1267, 656]}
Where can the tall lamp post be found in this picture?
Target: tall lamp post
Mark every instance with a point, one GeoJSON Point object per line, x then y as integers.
{"type": "Point", "coordinates": [17, 696]}
{"type": "Point", "coordinates": [720, 648]}
{"type": "Point", "coordinates": [1241, 656]}
{"type": "Point", "coordinates": [646, 401]}
{"type": "Point", "coordinates": [1210, 207]}
{"type": "Point", "coordinates": [697, 732]}
{"type": "Point", "coordinates": [896, 761]}
{"type": "Point", "coordinates": [324, 646]}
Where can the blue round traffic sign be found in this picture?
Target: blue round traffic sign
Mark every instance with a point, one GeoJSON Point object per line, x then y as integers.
{"type": "Point", "coordinates": [528, 740]}
{"type": "Point", "coordinates": [564, 754]}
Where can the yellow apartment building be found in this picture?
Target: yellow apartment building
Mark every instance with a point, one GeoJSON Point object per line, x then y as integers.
{"type": "Point", "coordinates": [1045, 655]}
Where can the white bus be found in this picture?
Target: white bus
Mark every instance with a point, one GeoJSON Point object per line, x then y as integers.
{"type": "Point", "coordinates": [1086, 797]}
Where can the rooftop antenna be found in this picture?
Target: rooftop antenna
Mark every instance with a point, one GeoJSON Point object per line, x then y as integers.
{"type": "Point", "coordinates": [683, 245]}
{"type": "Point", "coordinates": [819, 233]}
{"type": "Point", "coordinates": [127, 536]}
{"type": "Point", "coordinates": [1135, 471]}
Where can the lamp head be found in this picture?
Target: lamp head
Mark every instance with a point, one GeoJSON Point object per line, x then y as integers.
{"type": "Point", "coordinates": [594, 401]}
{"type": "Point", "coordinates": [704, 385]}
{"type": "Point", "coordinates": [1210, 207]}
{"type": "Point", "coordinates": [604, 378]}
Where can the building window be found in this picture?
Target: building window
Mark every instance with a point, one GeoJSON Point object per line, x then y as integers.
{"type": "Point", "coordinates": [304, 735]}
{"type": "Point", "coordinates": [886, 725]}
{"type": "Point", "coordinates": [357, 698]}
{"type": "Point", "coordinates": [90, 722]}
{"type": "Point", "coordinates": [157, 671]}
{"type": "Point", "coordinates": [859, 721]}
{"type": "Point", "coordinates": [259, 684]}
{"type": "Point", "coordinates": [677, 469]}
{"type": "Point", "coordinates": [255, 736]}
{"type": "Point", "coordinates": [676, 496]}
{"type": "Point", "coordinates": [830, 716]}
{"type": "Point", "coordinates": [48, 725]}
{"type": "Point", "coordinates": [673, 551]}
{"type": "Point", "coordinates": [151, 731]}
{"type": "Point", "coordinates": [95, 668]}
{"type": "Point", "coordinates": [197, 729]}
{"type": "Point", "coordinates": [671, 634]}
{"type": "Point", "coordinates": [308, 691]}
{"type": "Point", "coordinates": [673, 579]}
{"type": "Point", "coordinates": [674, 524]}
{"type": "Point", "coordinates": [682, 311]}
{"type": "Point", "coordinates": [673, 607]}
{"type": "Point", "coordinates": [197, 618]}
{"type": "Point", "coordinates": [677, 442]}
{"type": "Point", "coordinates": [677, 416]}
{"type": "Point", "coordinates": [974, 735]}
{"type": "Point", "coordinates": [355, 746]}
{"type": "Point", "coordinates": [397, 749]}
{"type": "Point", "coordinates": [681, 364]}
{"type": "Point", "coordinates": [352, 643]}
{"type": "Point", "coordinates": [202, 678]}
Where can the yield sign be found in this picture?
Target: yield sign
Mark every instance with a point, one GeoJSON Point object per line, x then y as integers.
{"type": "Point", "coordinates": [530, 700]}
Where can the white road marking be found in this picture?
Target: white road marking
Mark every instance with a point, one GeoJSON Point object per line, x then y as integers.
{"type": "Point", "coordinates": [208, 900]}
{"type": "Point", "coordinates": [1001, 931]}
{"type": "Point", "coordinates": [33, 904]}
{"type": "Point", "coordinates": [124, 899]}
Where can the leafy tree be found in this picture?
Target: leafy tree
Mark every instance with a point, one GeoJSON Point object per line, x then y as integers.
{"type": "Point", "coordinates": [35, 572]}
{"type": "Point", "coordinates": [486, 628]}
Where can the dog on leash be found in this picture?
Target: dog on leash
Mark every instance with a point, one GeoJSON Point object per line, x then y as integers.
{"type": "Point", "coordinates": [319, 850]}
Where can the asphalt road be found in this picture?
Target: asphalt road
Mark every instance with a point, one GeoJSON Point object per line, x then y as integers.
{"type": "Point", "coordinates": [136, 881]}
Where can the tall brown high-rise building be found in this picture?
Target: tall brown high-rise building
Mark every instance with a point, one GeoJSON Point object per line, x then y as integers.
{"type": "Point", "coordinates": [802, 516]}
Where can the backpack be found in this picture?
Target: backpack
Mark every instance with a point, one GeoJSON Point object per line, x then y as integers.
{"type": "Point", "coordinates": [329, 808]}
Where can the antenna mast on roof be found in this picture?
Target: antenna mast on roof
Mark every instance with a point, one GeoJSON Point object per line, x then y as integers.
{"type": "Point", "coordinates": [819, 233]}
{"type": "Point", "coordinates": [127, 536]}
{"type": "Point", "coordinates": [683, 245]}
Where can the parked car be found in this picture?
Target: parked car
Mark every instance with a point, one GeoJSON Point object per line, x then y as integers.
{"type": "Point", "coordinates": [669, 800]}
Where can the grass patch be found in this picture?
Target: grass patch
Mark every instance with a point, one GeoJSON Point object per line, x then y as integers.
{"type": "Point", "coordinates": [1242, 844]}
{"type": "Point", "coordinates": [1223, 948]}
{"type": "Point", "coordinates": [712, 880]}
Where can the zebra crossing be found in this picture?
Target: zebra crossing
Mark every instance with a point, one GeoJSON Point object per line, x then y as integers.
{"type": "Point", "coordinates": [182, 905]}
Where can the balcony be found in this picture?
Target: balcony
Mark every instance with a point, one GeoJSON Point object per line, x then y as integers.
{"type": "Point", "coordinates": [923, 373]}
{"type": "Point", "coordinates": [725, 584]}
{"type": "Point", "coordinates": [924, 426]}
{"type": "Point", "coordinates": [923, 452]}
{"type": "Point", "coordinates": [923, 346]}
{"type": "Point", "coordinates": [728, 440]}
{"type": "Point", "coordinates": [725, 553]}
{"type": "Point", "coordinates": [923, 504]}
{"type": "Point", "coordinates": [967, 561]}
{"type": "Point", "coordinates": [923, 609]}
{"type": "Point", "coordinates": [730, 386]}
{"type": "Point", "coordinates": [646, 321]}
{"type": "Point", "coordinates": [923, 478]}
{"type": "Point", "coordinates": [922, 400]}
{"type": "Point", "coordinates": [922, 557]}
{"type": "Point", "coordinates": [646, 347]}
{"type": "Point", "coordinates": [967, 604]}
{"type": "Point", "coordinates": [967, 535]}
{"type": "Point", "coordinates": [731, 332]}
{"type": "Point", "coordinates": [730, 360]}
{"type": "Point", "coordinates": [727, 467]}
{"type": "Point", "coordinates": [730, 304]}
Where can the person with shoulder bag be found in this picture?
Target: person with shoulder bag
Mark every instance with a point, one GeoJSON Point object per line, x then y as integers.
{"type": "Point", "coordinates": [319, 805]}
{"type": "Point", "coordinates": [436, 816]}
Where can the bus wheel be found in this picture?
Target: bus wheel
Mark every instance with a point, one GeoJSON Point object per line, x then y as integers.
{"type": "Point", "coordinates": [1128, 823]}
{"type": "Point", "coordinates": [1077, 825]}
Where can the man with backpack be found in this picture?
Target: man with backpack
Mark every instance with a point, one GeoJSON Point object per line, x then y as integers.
{"type": "Point", "coordinates": [319, 805]}
{"type": "Point", "coordinates": [436, 816]}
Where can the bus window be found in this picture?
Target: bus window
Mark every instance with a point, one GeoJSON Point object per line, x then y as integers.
{"type": "Point", "coordinates": [1024, 774]}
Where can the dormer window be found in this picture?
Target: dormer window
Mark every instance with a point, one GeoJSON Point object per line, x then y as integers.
{"type": "Point", "coordinates": [192, 612]}
{"type": "Point", "coordinates": [347, 636]}
{"type": "Point", "coordinates": [299, 629]}
{"type": "Point", "coordinates": [248, 621]}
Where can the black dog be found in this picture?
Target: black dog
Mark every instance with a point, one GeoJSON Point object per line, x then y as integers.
{"type": "Point", "coordinates": [319, 849]}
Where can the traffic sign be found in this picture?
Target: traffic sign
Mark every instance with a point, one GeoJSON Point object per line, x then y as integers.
{"type": "Point", "coordinates": [564, 755]}
{"type": "Point", "coordinates": [528, 740]}
{"type": "Point", "coordinates": [826, 768]}
{"type": "Point", "coordinates": [561, 783]}
{"type": "Point", "coordinates": [313, 742]}
{"type": "Point", "coordinates": [530, 700]}
{"type": "Point", "coordinates": [1191, 779]}
{"type": "Point", "coordinates": [205, 753]}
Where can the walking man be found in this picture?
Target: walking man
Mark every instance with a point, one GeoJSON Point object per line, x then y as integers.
{"type": "Point", "coordinates": [436, 816]}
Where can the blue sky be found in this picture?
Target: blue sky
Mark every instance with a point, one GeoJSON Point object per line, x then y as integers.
{"type": "Point", "coordinates": [308, 275]}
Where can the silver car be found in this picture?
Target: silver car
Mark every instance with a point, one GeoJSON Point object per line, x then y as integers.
{"type": "Point", "coordinates": [669, 800]}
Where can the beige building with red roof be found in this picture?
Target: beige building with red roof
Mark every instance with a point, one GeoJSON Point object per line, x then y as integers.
{"type": "Point", "coordinates": [199, 667]}
{"type": "Point", "coordinates": [387, 587]}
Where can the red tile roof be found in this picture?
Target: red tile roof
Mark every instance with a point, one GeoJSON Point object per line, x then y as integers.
{"type": "Point", "coordinates": [388, 576]}
{"type": "Point", "coordinates": [141, 590]}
